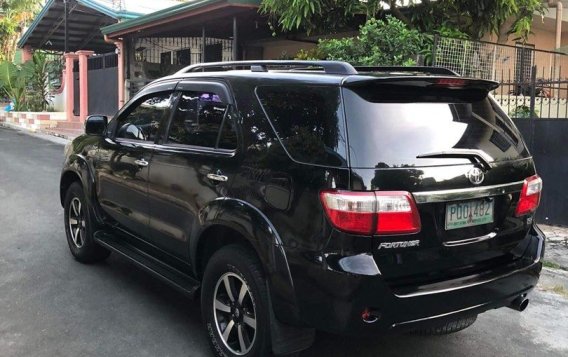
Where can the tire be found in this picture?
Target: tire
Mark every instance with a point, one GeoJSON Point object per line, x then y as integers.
{"type": "Point", "coordinates": [80, 225]}
{"type": "Point", "coordinates": [240, 269]}
{"type": "Point", "coordinates": [449, 327]}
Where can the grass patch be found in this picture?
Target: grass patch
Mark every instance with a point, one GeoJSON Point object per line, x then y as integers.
{"type": "Point", "coordinates": [560, 290]}
{"type": "Point", "coordinates": [556, 289]}
{"type": "Point", "coordinates": [551, 265]}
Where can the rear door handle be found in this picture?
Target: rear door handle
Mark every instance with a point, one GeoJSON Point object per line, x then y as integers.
{"type": "Point", "coordinates": [217, 177]}
{"type": "Point", "coordinates": [141, 162]}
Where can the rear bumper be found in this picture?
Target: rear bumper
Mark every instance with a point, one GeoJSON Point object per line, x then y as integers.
{"type": "Point", "coordinates": [333, 301]}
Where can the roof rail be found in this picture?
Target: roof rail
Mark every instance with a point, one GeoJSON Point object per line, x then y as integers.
{"type": "Point", "coordinates": [422, 69]}
{"type": "Point", "coordinates": [329, 67]}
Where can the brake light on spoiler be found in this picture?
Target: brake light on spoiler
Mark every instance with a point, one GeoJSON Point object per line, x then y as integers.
{"type": "Point", "coordinates": [368, 213]}
{"type": "Point", "coordinates": [451, 82]}
{"type": "Point", "coordinates": [530, 196]}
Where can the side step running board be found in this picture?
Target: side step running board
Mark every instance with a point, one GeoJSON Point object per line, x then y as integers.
{"type": "Point", "coordinates": [172, 276]}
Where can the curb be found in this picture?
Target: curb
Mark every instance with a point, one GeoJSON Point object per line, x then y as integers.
{"type": "Point", "coordinates": [54, 134]}
{"type": "Point", "coordinates": [39, 135]}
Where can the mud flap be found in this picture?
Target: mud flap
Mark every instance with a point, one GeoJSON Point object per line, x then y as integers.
{"type": "Point", "coordinates": [288, 339]}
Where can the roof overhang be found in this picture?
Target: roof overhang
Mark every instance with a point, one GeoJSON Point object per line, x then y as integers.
{"type": "Point", "coordinates": [158, 22]}
{"type": "Point", "coordinates": [85, 19]}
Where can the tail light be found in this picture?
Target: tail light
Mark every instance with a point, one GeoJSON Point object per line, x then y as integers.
{"type": "Point", "coordinates": [381, 213]}
{"type": "Point", "coordinates": [397, 213]}
{"type": "Point", "coordinates": [530, 196]}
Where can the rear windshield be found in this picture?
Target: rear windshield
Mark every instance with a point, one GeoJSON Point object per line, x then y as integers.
{"type": "Point", "coordinates": [393, 134]}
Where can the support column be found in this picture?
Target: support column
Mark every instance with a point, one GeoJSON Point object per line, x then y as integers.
{"type": "Point", "coordinates": [120, 49]}
{"type": "Point", "coordinates": [235, 41]}
{"type": "Point", "coordinates": [27, 53]}
{"type": "Point", "coordinates": [559, 20]}
{"type": "Point", "coordinates": [203, 44]}
{"type": "Point", "coordinates": [84, 83]}
{"type": "Point", "coordinates": [559, 7]}
{"type": "Point", "coordinates": [69, 87]}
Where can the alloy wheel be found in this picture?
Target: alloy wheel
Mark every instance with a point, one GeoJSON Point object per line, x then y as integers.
{"type": "Point", "coordinates": [77, 223]}
{"type": "Point", "coordinates": [235, 314]}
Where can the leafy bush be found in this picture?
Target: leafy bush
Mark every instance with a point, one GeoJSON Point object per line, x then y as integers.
{"type": "Point", "coordinates": [310, 55]}
{"type": "Point", "coordinates": [380, 42]}
{"type": "Point", "coordinates": [523, 112]}
{"type": "Point", "coordinates": [38, 86]}
{"type": "Point", "coordinates": [13, 83]}
{"type": "Point", "coordinates": [26, 85]}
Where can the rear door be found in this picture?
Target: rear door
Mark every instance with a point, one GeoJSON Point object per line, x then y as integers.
{"type": "Point", "coordinates": [194, 163]}
{"type": "Point", "coordinates": [463, 160]}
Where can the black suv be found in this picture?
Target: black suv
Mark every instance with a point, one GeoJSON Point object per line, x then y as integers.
{"type": "Point", "coordinates": [291, 196]}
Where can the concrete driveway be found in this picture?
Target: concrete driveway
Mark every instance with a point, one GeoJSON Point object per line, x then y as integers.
{"type": "Point", "coordinates": [51, 305]}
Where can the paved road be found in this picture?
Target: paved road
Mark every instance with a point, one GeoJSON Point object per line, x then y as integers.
{"type": "Point", "coordinates": [51, 305]}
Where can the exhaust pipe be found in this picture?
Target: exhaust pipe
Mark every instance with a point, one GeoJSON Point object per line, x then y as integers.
{"type": "Point", "coordinates": [520, 303]}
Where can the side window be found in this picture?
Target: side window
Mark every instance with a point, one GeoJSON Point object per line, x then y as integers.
{"type": "Point", "coordinates": [143, 121]}
{"type": "Point", "coordinates": [308, 121]}
{"type": "Point", "coordinates": [200, 119]}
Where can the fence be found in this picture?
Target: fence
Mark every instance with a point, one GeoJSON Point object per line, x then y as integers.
{"type": "Point", "coordinates": [518, 69]}
{"type": "Point", "coordinates": [534, 92]}
{"type": "Point", "coordinates": [182, 51]}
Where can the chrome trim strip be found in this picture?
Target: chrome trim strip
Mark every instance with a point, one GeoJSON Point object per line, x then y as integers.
{"type": "Point", "coordinates": [467, 193]}
{"type": "Point", "coordinates": [465, 286]}
{"type": "Point", "coordinates": [457, 243]}
{"type": "Point", "coordinates": [438, 316]}
{"type": "Point", "coordinates": [175, 149]}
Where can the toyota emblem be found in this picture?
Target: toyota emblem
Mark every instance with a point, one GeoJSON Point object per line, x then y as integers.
{"type": "Point", "coordinates": [475, 176]}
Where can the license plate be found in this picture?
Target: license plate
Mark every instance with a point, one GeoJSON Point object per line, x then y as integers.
{"type": "Point", "coordinates": [470, 213]}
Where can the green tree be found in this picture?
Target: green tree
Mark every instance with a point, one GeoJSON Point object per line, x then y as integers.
{"type": "Point", "coordinates": [14, 16]}
{"type": "Point", "coordinates": [380, 42]}
{"type": "Point", "coordinates": [474, 18]}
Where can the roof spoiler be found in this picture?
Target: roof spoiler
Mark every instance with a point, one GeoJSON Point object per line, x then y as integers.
{"type": "Point", "coordinates": [407, 70]}
{"type": "Point", "coordinates": [430, 82]}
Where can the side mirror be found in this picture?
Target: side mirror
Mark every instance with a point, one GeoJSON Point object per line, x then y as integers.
{"type": "Point", "coordinates": [96, 125]}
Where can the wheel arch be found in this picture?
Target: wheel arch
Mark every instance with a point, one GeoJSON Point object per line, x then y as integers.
{"type": "Point", "coordinates": [247, 225]}
{"type": "Point", "coordinates": [67, 179]}
{"type": "Point", "coordinates": [215, 237]}
{"type": "Point", "coordinates": [78, 169]}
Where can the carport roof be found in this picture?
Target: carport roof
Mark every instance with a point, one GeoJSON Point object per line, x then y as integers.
{"type": "Point", "coordinates": [186, 9]}
{"type": "Point", "coordinates": [85, 19]}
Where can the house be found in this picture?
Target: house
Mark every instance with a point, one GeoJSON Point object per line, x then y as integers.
{"type": "Point", "coordinates": [198, 31]}
{"type": "Point", "coordinates": [124, 44]}
{"type": "Point", "coordinates": [72, 27]}
{"type": "Point", "coordinates": [549, 32]}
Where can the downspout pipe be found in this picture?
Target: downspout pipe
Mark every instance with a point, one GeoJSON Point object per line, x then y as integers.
{"type": "Point", "coordinates": [120, 49]}
{"type": "Point", "coordinates": [559, 9]}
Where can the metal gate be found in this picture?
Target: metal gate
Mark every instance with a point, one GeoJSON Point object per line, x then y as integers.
{"type": "Point", "coordinates": [550, 153]}
{"type": "Point", "coordinates": [103, 84]}
{"type": "Point", "coordinates": [76, 90]}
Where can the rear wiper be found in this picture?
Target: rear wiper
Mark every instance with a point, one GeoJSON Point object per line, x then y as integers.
{"type": "Point", "coordinates": [475, 156]}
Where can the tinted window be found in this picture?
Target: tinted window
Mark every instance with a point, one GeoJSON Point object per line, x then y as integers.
{"type": "Point", "coordinates": [394, 134]}
{"type": "Point", "coordinates": [308, 120]}
{"type": "Point", "coordinates": [228, 137]}
{"type": "Point", "coordinates": [143, 120]}
{"type": "Point", "coordinates": [198, 119]}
